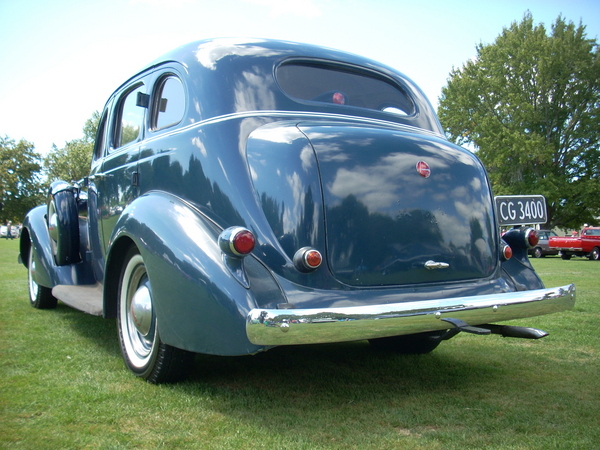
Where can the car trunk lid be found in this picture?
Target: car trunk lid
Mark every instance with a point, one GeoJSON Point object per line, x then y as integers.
{"type": "Point", "coordinates": [401, 207]}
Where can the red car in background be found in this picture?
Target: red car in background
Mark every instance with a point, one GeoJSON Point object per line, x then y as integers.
{"type": "Point", "coordinates": [587, 244]}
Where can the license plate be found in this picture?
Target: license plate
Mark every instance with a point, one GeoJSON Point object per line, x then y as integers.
{"type": "Point", "coordinates": [521, 209]}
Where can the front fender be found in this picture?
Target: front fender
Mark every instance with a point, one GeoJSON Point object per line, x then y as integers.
{"type": "Point", "coordinates": [48, 274]}
{"type": "Point", "coordinates": [199, 304]}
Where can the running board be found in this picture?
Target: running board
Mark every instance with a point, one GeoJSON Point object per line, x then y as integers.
{"type": "Point", "coordinates": [503, 330]}
{"type": "Point", "coordinates": [86, 298]}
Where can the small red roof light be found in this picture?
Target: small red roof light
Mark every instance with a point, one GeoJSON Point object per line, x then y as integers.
{"type": "Point", "coordinates": [339, 98]}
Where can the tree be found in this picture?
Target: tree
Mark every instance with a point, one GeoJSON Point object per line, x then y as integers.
{"type": "Point", "coordinates": [529, 105]}
{"type": "Point", "coordinates": [72, 162]}
{"type": "Point", "coordinates": [20, 186]}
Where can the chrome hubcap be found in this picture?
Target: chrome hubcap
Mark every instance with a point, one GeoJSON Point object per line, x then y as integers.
{"type": "Point", "coordinates": [137, 319]}
{"type": "Point", "coordinates": [141, 310]}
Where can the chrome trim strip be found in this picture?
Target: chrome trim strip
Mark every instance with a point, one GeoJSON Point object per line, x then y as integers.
{"type": "Point", "coordinates": [313, 326]}
{"type": "Point", "coordinates": [304, 116]}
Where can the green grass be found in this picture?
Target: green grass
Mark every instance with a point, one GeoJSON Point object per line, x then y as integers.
{"type": "Point", "coordinates": [63, 385]}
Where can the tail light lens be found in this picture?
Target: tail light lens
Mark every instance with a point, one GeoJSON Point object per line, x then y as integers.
{"type": "Point", "coordinates": [506, 252]}
{"type": "Point", "coordinates": [531, 237]}
{"type": "Point", "coordinates": [307, 259]}
{"type": "Point", "coordinates": [313, 259]}
{"type": "Point", "coordinates": [237, 241]}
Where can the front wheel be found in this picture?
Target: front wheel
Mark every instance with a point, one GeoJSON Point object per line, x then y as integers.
{"type": "Point", "coordinates": [595, 254]}
{"type": "Point", "coordinates": [538, 253]}
{"type": "Point", "coordinates": [40, 297]}
{"type": "Point", "coordinates": [565, 256]}
{"type": "Point", "coordinates": [143, 351]}
{"type": "Point", "coordinates": [410, 344]}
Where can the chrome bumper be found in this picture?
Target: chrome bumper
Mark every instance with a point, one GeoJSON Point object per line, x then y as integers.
{"type": "Point", "coordinates": [313, 326]}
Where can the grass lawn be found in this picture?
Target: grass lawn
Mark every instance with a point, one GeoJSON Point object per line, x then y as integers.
{"type": "Point", "coordinates": [63, 385]}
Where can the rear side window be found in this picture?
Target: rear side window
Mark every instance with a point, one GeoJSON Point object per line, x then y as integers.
{"type": "Point", "coordinates": [169, 103]}
{"type": "Point", "coordinates": [131, 117]}
{"type": "Point", "coordinates": [340, 85]}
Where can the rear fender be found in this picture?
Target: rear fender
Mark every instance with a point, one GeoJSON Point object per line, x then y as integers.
{"type": "Point", "coordinates": [199, 304]}
{"type": "Point", "coordinates": [518, 268]}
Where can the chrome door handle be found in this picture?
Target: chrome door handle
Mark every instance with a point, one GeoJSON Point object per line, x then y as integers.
{"type": "Point", "coordinates": [433, 265]}
{"type": "Point", "coordinates": [98, 176]}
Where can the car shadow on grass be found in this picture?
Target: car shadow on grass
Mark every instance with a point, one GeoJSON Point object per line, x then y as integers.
{"type": "Point", "coordinates": [98, 331]}
{"type": "Point", "coordinates": [318, 392]}
{"type": "Point", "coordinates": [295, 370]}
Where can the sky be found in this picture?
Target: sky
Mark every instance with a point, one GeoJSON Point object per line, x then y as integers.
{"type": "Point", "coordinates": [61, 59]}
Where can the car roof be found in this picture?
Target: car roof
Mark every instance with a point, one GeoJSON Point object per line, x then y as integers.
{"type": "Point", "coordinates": [217, 61]}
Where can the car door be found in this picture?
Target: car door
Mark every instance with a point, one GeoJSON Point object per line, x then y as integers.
{"type": "Point", "coordinates": [95, 239]}
{"type": "Point", "coordinates": [116, 175]}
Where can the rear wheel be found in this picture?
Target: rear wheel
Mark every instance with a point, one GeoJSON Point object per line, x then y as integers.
{"type": "Point", "coordinates": [410, 344]}
{"type": "Point", "coordinates": [595, 254]}
{"type": "Point", "coordinates": [40, 297]}
{"type": "Point", "coordinates": [538, 253]}
{"type": "Point", "coordinates": [143, 351]}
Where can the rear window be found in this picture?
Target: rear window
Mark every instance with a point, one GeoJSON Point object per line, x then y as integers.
{"type": "Point", "coordinates": [326, 83]}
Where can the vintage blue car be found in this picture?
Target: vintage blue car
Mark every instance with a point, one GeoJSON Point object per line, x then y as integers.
{"type": "Point", "coordinates": [251, 194]}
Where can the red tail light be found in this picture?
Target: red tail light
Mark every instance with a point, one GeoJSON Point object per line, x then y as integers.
{"type": "Point", "coordinates": [313, 259]}
{"type": "Point", "coordinates": [237, 241]}
{"type": "Point", "coordinates": [521, 238]}
{"type": "Point", "coordinates": [307, 259]}
{"type": "Point", "coordinates": [532, 237]}
{"type": "Point", "coordinates": [243, 242]}
{"type": "Point", "coordinates": [506, 252]}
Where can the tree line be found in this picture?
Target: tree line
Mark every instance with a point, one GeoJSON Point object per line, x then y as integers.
{"type": "Point", "coordinates": [25, 175]}
{"type": "Point", "coordinates": [528, 105]}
